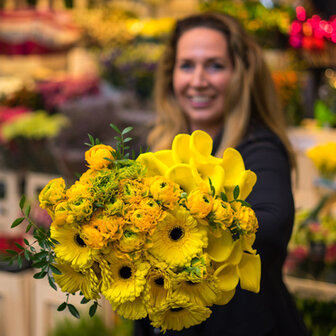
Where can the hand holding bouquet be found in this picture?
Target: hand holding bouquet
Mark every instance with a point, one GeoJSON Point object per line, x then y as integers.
{"type": "Point", "coordinates": [165, 236]}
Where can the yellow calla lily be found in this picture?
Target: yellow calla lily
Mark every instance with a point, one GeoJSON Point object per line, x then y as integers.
{"type": "Point", "coordinates": [223, 298]}
{"type": "Point", "coordinates": [237, 253]}
{"type": "Point", "coordinates": [228, 277]}
{"type": "Point", "coordinates": [182, 174]}
{"type": "Point", "coordinates": [219, 249]}
{"type": "Point", "coordinates": [249, 270]}
{"type": "Point", "coordinates": [181, 148]}
{"type": "Point", "coordinates": [201, 142]}
{"type": "Point", "coordinates": [153, 164]}
{"type": "Point", "coordinates": [165, 156]}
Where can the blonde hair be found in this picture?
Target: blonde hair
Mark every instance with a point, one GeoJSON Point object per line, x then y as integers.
{"type": "Point", "coordinates": [251, 92]}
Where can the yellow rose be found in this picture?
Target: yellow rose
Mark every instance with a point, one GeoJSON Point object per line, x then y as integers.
{"type": "Point", "coordinates": [52, 193]}
{"type": "Point", "coordinates": [99, 156]}
{"type": "Point", "coordinates": [222, 212]}
{"type": "Point", "coordinates": [199, 203]}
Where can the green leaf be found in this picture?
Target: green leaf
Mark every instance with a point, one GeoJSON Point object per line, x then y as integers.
{"type": "Point", "coordinates": [28, 227]}
{"type": "Point", "coordinates": [73, 310]}
{"type": "Point", "coordinates": [56, 242]}
{"type": "Point", "coordinates": [11, 252]}
{"type": "Point", "coordinates": [93, 309]}
{"type": "Point", "coordinates": [19, 260]}
{"type": "Point", "coordinates": [85, 300]}
{"type": "Point", "coordinates": [62, 306]}
{"type": "Point", "coordinates": [126, 130]}
{"type": "Point", "coordinates": [22, 201]}
{"type": "Point", "coordinates": [128, 139]}
{"type": "Point", "coordinates": [27, 255]}
{"type": "Point", "coordinates": [17, 222]}
{"type": "Point", "coordinates": [55, 269]}
{"type": "Point", "coordinates": [224, 197]}
{"type": "Point", "coordinates": [40, 275]}
{"type": "Point", "coordinates": [19, 246]}
{"type": "Point", "coordinates": [40, 255]}
{"type": "Point", "coordinates": [39, 264]}
{"type": "Point", "coordinates": [236, 192]}
{"type": "Point", "coordinates": [26, 241]}
{"type": "Point", "coordinates": [52, 283]}
{"type": "Point", "coordinates": [27, 211]}
{"type": "Point", "coordinates": [115, 128]}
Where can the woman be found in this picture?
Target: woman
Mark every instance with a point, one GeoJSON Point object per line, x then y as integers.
{"type": "Point", "coordinates": [213, 77]}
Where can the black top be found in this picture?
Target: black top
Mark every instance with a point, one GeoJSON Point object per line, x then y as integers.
{"type": "Point", "coordinates": [272, 311]}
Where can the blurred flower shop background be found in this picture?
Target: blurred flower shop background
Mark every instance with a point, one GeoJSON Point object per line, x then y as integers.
{"type": "Point", "coordinates": [68, 68]}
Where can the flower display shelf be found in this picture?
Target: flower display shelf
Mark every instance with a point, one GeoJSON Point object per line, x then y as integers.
{"type": "Point", "coordinates": [306, 288]}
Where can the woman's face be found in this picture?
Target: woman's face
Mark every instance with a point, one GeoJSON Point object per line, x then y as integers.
{"type": "Point", "coordinates": [202, 73]}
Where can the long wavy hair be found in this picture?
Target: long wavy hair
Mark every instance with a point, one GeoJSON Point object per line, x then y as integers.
{"type": "Point", "coordinates": [251, 92]}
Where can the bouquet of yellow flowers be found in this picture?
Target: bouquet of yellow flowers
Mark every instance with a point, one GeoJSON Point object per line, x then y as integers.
{"type": "Point", "coordinates": [165, 236]}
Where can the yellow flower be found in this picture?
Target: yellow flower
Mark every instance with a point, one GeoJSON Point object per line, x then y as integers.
{"type": "Point", "coordinates": [126, 281]}
{"type": "Point", "coordinates": [71, 247]}
{"type": "Point", "coordinates": [131, 240]}
{"type": "Point", "coordinates": [131, 190]}
{"type": "Point", "coordinates": [178, 238]}
{"type": "Point", "coordinates": [222, 213]}
{"type": "Point", "coordinates": [52, 193]}
{"type": "Point", "coordinates": [131, 310]}
{"type": "Point", "coordinates": [77, 190]}
{"type": "Point", "coordinates": [92, 237]}
{"type": "Point", "coordinates": [179, 313]}
{"type": "Point", "coordinates": [141, 219]}
{"type": "Point", "coordinates": [157, 288]}
{"type": "Point", "coordinates": [71, 281]}
{"type": "Point", "coordinates": [114, 207]}
{"type": "Point", "coordinates": [199, 203]}
{"type": "Point", "coordinates": [220, 248]}
{"type": "Point", "coordinates": [164, 191]}
{"type": "Point", "coordinates": [201, 293]}
{"type": "Point", "coordinates": [245, 218]}
{"type": "Point", "coordinates": [99, 156]}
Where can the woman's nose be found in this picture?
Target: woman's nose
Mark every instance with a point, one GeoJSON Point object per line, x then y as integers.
{"type": "Point", "coordinates": [199, 78]}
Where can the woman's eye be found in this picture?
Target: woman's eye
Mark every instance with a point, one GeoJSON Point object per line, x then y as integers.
{"type": "Point", "coordinates": [216, 66]}
{"type": "Point", "coordinates": [185, 66]}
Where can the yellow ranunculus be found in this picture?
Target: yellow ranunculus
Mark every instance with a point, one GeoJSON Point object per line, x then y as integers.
{"type": "Point", "coordinates": [99, 156]}
{"type": "Point", "coordinates": [199, 203]}
{"type": "Point", "coordinates": [222, 212]}
{"type": "Point", "coordinates": [52, 193]}
{"type": "Point", "coordinates": [245, 218]}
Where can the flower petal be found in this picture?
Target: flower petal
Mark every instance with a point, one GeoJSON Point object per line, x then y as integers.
{"type": "Point", "coordinates": [152, 163]}
{"type": "Point", "coordinates": [180, 148]}
{"type": "Point", "coordinates": [249, 270]}
{"type": "Point", "coordinates": [228, 277]}
{"type": "Point", "coordinates": [182, 174]}
{"type": "Point", "coordinates": [219, 249]}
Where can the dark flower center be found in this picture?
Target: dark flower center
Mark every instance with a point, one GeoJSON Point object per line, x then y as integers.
{"type": "Point", "coordinates": [125, 272]}
{"type": "Point", "coordinates": [176, 309]}
{"type": "Point", "coordinates": [191, 283]}
{"type": "Point", "coordinates": [159, 281]}
{"type": "Point", "coordinates": [79, 241]}
{"type": "Point", "coordinates": [176, 233]}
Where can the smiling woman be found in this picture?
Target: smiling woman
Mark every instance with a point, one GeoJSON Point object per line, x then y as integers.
{"type": "Point", "coordinates": [213, 77]}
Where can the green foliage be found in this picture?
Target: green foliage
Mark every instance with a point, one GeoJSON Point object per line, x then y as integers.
{"type": "Point", "coordinates": [319, 316]}
{"type": "Point", "coordinates": [324, 115]}
{"type": "Point", "coordinates": [120, 153]}
{"type": "Point", "coordinates": [92, 327]}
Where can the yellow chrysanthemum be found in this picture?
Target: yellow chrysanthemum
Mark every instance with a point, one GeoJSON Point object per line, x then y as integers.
{"type": "Point", "coordinates": [72, 281]}
{"type": "Point", "coordinates": [178, 238]}
{"type": "Point", "coordinates": [126, 281]}
{"type": "Point", "coordinates": [179, 313]}
{"type": "Point", "coordinates": [52, 193]}
{"type": "Point", "coordinates": [199, 203]}
{"type": "Point", "coordinates": [71, 247]}
{"type": "Point", "coordinates": [99, 156]}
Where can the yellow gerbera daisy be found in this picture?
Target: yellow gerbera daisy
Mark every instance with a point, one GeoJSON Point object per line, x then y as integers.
{"type": "Point", "coordinates": [157, 288]}
{"type": "Point", "coordinates": [126, 279]}
{"type": "Point", "coordinates": [201, 293]}
{"type": "Point", "coordinates": [132, 310]}
{"type": "Point", "coordinates": [71, 281]}
{"type": "Point", "coordinates": [179, 313]}
{"type": "Point", "coordinates": [178, 238]}
{"type": "Point", "coordinates": [71, 247]}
